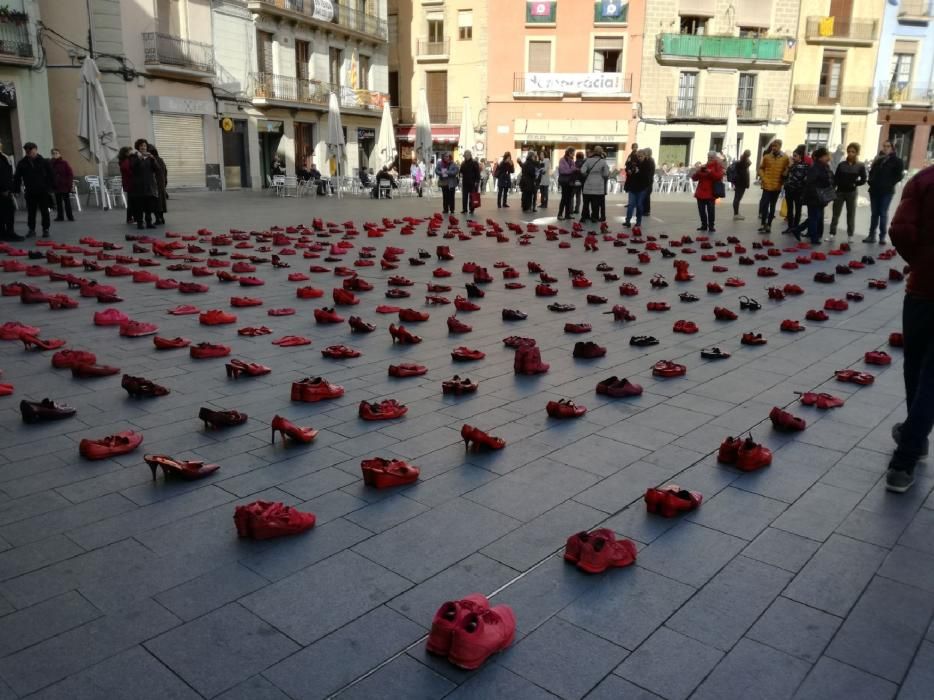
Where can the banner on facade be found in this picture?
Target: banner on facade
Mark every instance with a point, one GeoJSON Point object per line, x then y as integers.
{"type": "Point", "coordinates": [7, 94]}
{"type": "Point", "coordinates": [540, 11]}
{"type": "Point", "coordinates": [612, 8]}
{"type": "Point", "coordinates": [323, 10]}
{"type": "Point", "coordinates": [575, 83]}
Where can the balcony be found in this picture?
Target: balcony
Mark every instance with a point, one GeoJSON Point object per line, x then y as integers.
{"type": "Point", "coordinates": [335, 16]}
{"type": "Point", "coordinates": [436, 116]}
{"type": "Point", "coordinates": [553, 86]}
{"type": "Point", "coordinates": [912, 93]}
{"type": "Point", "coordinates": [725, 51]}
{"type": "Point", "coordinates": [848, 99]}
{"type": "Point", "coordinates": [270, 89]}
{"type": "Point", "coordinates": [15, 45]}
{"type": "Point", "coordinates": [842, 31]}
{"type": "Point", "coordinates": [427, 51]}
{"type": "Point", "coordinates": [914, 11]}
{"type": "Point", "coordinates": [717, 110]}
{"type": "Point", "coordinates": [175, 56]}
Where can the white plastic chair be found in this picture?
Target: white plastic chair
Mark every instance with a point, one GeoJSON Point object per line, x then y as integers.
{"type": "Point", "coordinates": [278, 184]}
{"type": "Point", "coordinates": [289, 184]}
{"type": "Point", "coordinates": [115, 191]}
{"type": "Point", "coordinates": [94, 188]}
{"type": "Point", "coordinates": [74, 195]}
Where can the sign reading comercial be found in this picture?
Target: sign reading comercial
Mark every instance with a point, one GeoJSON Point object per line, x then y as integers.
{"type": "Point", "coordinates": [575, 83]}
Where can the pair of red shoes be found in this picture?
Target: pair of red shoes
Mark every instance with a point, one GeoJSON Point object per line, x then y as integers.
{"type": "Point", "coordinates": [384, 410]}
{"type": "Point", "coordinates": [618, 388]}
{"type": "Point", "coordinates": [480, 439]}
{"type": "Point", "coordinates": [468, 631]}
{"type": "Point", "coordinates": [669, 501]}
{"type": "Point", "coordinates": [564, 408]}
{"type": "Point", "coordinates": [746, 454]}
{"type": "Point", "coordinates": [599, 550]}
{"type": "Point", "coordinates": [528, 360]}
{"type": "Point", "coordinates": [687, 327]}
{"type": "Point", "coordinates": [851, 376]}
{"type": "Point", "coordinates": [386, 473]}
{"type": "Point", "coordinates": [263, 520]}
{"type": "Point", "coordinates": [822, 401]}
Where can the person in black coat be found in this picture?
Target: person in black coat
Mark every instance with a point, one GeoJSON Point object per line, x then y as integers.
{"type": "Point", "coordinates": [145, 183]}
{"type": "Point", "coordinates": [886, 171]}
{"type": "Point", "coordinates": [7, 209]}
{"type": "Point", "coordinates": [470, 181]}
{"type": "Point", "coordinates": [818, 193]}
{"type": "Point", "coordinates": [527, 183]}
{"type": "Point", "coordinates": [34, 175]}
{"type": "Point", "coordinates": [740, 180]}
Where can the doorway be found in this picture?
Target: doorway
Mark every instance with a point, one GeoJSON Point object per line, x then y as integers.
{"type": "Point", "coordinates": [675, 150]}
{"type": "Point", "coordinates": [269, 139]}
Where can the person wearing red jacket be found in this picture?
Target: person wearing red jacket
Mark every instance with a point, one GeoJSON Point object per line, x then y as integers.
{"type": "Point", "coordinates": [64, 178]}
{"type": "Point", "coordinates": [913, 235]}
{"type": "Point", "coordinates": [707, 176]}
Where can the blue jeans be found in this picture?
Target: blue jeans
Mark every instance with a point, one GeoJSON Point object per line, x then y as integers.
{"type": "Point", "coordinates": [918, 327]}
{"type": "Point", "coordinates": [636, 203]}
{"type": "Point", "coordinates": [879, 213]}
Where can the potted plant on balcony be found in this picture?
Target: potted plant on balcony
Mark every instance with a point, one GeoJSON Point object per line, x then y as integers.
{"type": "Point", "coordinates": [12, 16]}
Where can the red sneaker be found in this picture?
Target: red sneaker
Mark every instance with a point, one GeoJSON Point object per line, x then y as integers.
{"type": "Point", "coordinates": [110, 317]}
{"type": "Point", "coordinates": [479, 635]}
{"type": "Point", "coordinates": [600, 553]}
{"type": "Point", "coordinates": [564, 408]}
{"type": "Point", "coordinates": [878, 357]}
{"type": "Point", "coordinates": [110, 446]}
{"type": "Point", "coordinates": [753, 456]}
{"type": "Point", "coordinates": [785, 421]}
{"type": "Point", "coordinates": [216, 317]}
{"type": "Point", "coordinates": [447, 619]}
{"type": "Point", "coordinates": [384, 473]}
{"type": "Point", "coordinates": [668, 501]}
{"type": "Point", "coordinates": [407, 370]}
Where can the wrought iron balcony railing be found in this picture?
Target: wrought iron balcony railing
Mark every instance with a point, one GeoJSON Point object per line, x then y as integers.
{"type": "Point", "coordinates": [718, 110]}
{"type": "Point", "coordinates": [425, 48]}
{"type": "Point", "coordinates": [842, 29]}
{"type": "Point", "coordinates": [168, 50]}
{"type": "Point", "coordinates": [436, 116]}
{"type": "Point", "coordinates": [15, 43]}
{"type": "Point", "coordinates": [287, 88]}
{"type": "Point", "coordinates": [332, 13]}
{"type": "Point", "coordinates": [815, 97]}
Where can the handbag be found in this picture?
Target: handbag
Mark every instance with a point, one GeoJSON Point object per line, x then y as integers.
{"type": "Point", "coordinates": [719, 189]}
{"type": "Point", "coordinates": [474, 200]}
{"type": "Point", "coordinates": [826, 195]}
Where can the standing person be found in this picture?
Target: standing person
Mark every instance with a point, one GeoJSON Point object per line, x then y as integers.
{"type": "Point", "coordinates": [795, 183]}
{"type": "Point", "coordinates": [544, 182]}
{"type": "Point", "coordinates": [145, 185]}
{"type": "Point", "coordinates": [528, 181]}
{"type": "Point", "coordinates": [818, 193]}
{"type": "Point", "coordinates": [648, 162]}
{"type": "Point", "coordinates": [886, 171]}
{"type": "Point", "coordinates": [64, 178]}
{"type": "Point", "coordinates": [162, 180]}
{"type": "Point", "coordinates": [913, 237]}
{"type": "Point", "coordinates": [578, 182]}
{"type": "Point", "coordinates": [707, 177]}
{"type": "Point", "coordinates": [639, 174]}
{"type": "Point", "coordinates": [7, 209]}
{"type": "Point", "coordinates": [35, 175]}
{"type": "Point", "coordinates": [567, 170]}
{"type": "Point", "coordinates": [416, 174]}
{"type": "Point", "coordinates": [850, 173]}
{"type": "Point", "coordinates": [126, 179]}
{"type": "Point", "coordinates": [446, 170]}
{"type": "Point", "coordinates": [470, 181]}
{"type": "Point", "coordinates": [772, 170]}
{"type": "Point", "coordinates": [484, 174]}
{"type": "Point", "coordinates": [740, 180]}
{"type": "Point", "coordinates": [595, 171]}
{"type": "Point", "coordinates": [503, 174]}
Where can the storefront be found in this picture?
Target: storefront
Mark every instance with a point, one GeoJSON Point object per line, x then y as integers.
{"type": "Point", "coordinates": [553, 137]}
{"type": "Point", "coordinates": [443, 138]}
{"type": "Point", "coordinates": [236, 154]}
{"type": "Point", "coordinates": [910, 132]}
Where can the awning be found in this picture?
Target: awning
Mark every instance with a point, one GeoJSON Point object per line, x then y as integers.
{"type": "Point", "coordinates": [571, 130]}
{"type": "Point", "coordinates": [439, 134]}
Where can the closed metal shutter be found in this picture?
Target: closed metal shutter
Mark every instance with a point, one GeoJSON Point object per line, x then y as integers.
{"type": "Point", "coordinates": [180, 140]}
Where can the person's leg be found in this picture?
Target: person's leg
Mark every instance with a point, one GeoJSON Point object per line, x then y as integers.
{"type": "Point", "coordinates": [763, 208]}
{"type": "Point", "coordinates": [640, 206]}
{"type": "Point", "coordinates": [44, 213]}
{"type": "Point", "coordinates": [738, 193]}
{"type": "Point", "coordinates": [578, 200]}
{"type": "Point", "coordinates": [544, 196]}
{"type": "Point", "coordinates": [68, 213]}
{"type": "Point", "coordinates": [60, 206]}
{"type": "Point", "coordinates": [711, 213]}
{"type": "Point", "coordinates": [564, 205]}
{"type": "Point", "coordinates": [465, 201]}
{"type": "Point", "coordinates": [873, 217]}
{"type": "Point", "coordinates": [630, 206]}
{"type": "Point", "coordinates": [773, 200]}
{"type": "Point", "coordinates": [31, 205]}
{"type": "Point", "coordinates": [835, 216]}
{"type": "Point", "coordinates": [885, 200]}
{"type": "Point", "coordinates": [601, 199]}
{"type": "Point", "coordinates": [851, 213]}
{"type": "Point", "coordinates": [702, 213]}
{"type": "Point", "coordinates": [815, 223]}
{"type": "Point", "coordinates": [647, 203]}
{"type": "Point", "coordinates": [585, 207]}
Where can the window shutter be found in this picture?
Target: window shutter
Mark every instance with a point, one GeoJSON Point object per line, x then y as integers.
{"type": "Point", "coordinates": [180, 140]}
{"type": "Point", "coordinates": [539, 57]}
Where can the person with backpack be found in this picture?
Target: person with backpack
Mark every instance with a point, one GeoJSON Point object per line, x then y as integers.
{"type": "Point", "coordinates": [794, 188]}
{"type": "Point", "coordinates": [502, 173]}
{"type": "Point", "coordinates": [738, 175]}
{"type": "Point", "coordinates": [567, 170]}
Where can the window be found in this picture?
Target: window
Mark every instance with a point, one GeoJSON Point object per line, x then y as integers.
{"type": "Point", "coordinates": [264, 52]}
{"type": "Point", "coordinates": [816, 135]}
{"type": "Point", "coordinates": [831, 77]}
{"type": "Point", "coordinates": [394, 87]}
{"type": "Point", "coordinates": [901, 68]}
{"type": "Point", "coordinates": [436, 88]}
{"type": "Point", "coordinates": [363, 73]}
{"type": "Point", "coordinates": [301, 59]}
{"type": "Point", "coordinates": [747, 91]}
{"type": "Point", "coordinates": [608, 55]}
{"type": "Point", "coordinates": [693, 25]}
{"type": "Point", "coordinates": [435, 30]}
{"type": "Point", "coordinates": [751, 31]}
{"type": "Point", "coordinates": [465, 25]}
{"type": "Point", "coordinates": [335, 65]}
{"type": "Point", "coordinates": [539, 57]}
{"type": "Point", "coordinates": [687, 94]}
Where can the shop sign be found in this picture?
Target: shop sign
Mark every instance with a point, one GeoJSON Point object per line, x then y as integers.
{"type": "Point", "coordinates": [364, 134]}
{"type": "Point", "coordinates": [568, 138]}
{"type": "Point", "coordinates": [269, 126]}
{"type": "Point", "coordinates": [576, 83]}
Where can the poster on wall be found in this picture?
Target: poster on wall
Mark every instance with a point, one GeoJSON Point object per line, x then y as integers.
{"type": "Point", "coordinates": [7, 94]}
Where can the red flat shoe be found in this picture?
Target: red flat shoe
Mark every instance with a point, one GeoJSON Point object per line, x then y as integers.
{"type": "Point", "coordinates": [480, 439]}
{"type": "Point", "coordinates": [383, 473]}
{"type": "Point", "coordinates": [822, 401]}
{"type": "Point", "coordinates": [564, 408]}
{"type": "Point", "coordinates": [851, 376]}
{"type": "Point", "coordinates": [252, 369]}
{"type": "Point", "coordinates": [288, 429]}
{"type": "Point", "coordinates": [384, 410]}
{"type": "Point", "coordinates": [448, 617]}
{"type": "Point", "coordinates": [216, 317]}
{"type": "Point", "coordinates": [816, 315]}
{"type": "Point", "coordinates": [407, 370]}
{"type": "Point", "coordinates": [57, 302]}
{"type": "Point", "coordinates": [245, 302]}
{"type": "Point", "coordinates": [618, 388]}
{"type": "Point", "coordinates": [577, 328]}
{"type": "Point", "coordinates": [791, 326]}
{"type": "Point", "coordinates": [184, 310]}
{"type": "Point", "coordinates": [110, 446]}
{"type": "Point", "coordinates": [110, 317]}
{"type": "Point", "coordinates": [598, 553]}
{"type": "Point", "coordinates": [658, 306]}
{"type": "Point", "coordinates": [896, 340]}
{"type": "Point", "coordinates": [753, 339]}
{"type": "Point", "coordinates": [31, 342]}
{"type": "Point", "coordinates": [786, 422]}
{"type": "Point", "coordinates": [138, 329]}
{"type": "Point", "coordinates": [66, 359]}
{"type": "Point", "coordinates": [465, 354]}
{"type": "Point", "coordinates": [342, 297]}
{"type": "Point", "coordinates": [836, 305]}
{"type": "Point", "coordinates": [458, 386]}
{"type": "Point", "coordinates": [309, 293]}
{"type": "Point", "coordinates": [292, 341]}
{"type": "Point", "coordinates": [667, 368]}
{"type": "Point", "coordinates": [671, 500]}
{"type": "Point", "coordinates": [203, 351]}
{"type": "Point", "coordinates": [340, 352]}
{"type": "Point", "coordinates": [6, 389]}
{"type": "Point", "coordinates": [263, 520]}
{"type": "Point", "coordinates": [588, 350]}
{"type": "Point", "coordinates": [138, 387]}
{"type": "Point", "coordinates": [877, 357]}
{"type": "Point", "coordinates": [252, 332]}
{"type": "Point", "coordinates": [93, 370]}
{"type": "Point", "coordinates": [312, 390]}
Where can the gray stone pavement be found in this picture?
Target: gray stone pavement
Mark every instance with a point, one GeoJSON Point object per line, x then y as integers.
{"type": "Point", "coordinates": [803, 580]}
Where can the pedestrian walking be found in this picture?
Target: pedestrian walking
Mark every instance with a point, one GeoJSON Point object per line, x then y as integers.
{"type": "Point", "coordinates": [913, 238]}
{"type": "Point", "coordinates": [470, 181]}
{"type": "Point", "coordinates": [772, 170]}
{"type": "Point", "coordinates": [818, 193]}
{"type": "Point", "coordinates": [795, 183]}
{"type": "Point", "coordinates": [886, 171]}
{"type": "Point", "coordinates": [162, 180]}
{"type": "Point", "coordinates": [446, 170]}
{"type": "Point", "coordinates": [595, 172]}
{"type": "Point", "coordinates": [640, 172]}
{"type": "Point", "coordinates": [739, 178]}
{"type": "Point", "coordinates": [145, 184]}
{"type": "Point", "coordinates": [7, 208]}
{"type": "Point", "coordinates": [849, 174]}
{"type": "Point", "coordinates": [544, 180]}
{"type": "Point", "coordinates": [567, 172]}
{"type": "Point", "coordinates": [503, 176]}
{"type": "Point", "coordinates": [126, 181]}
{"type": "Point", "coordinates": [34, 174]}
{"type": "Point", "coordinates": [64, 178]}
{"type": "Point", "coordinates": [709, 179]}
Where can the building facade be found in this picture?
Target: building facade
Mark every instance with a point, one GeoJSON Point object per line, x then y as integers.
{"type": "Point", "coordinates": [838, 43]}
{"type": "Point", "coordinates": [282, 59]}
{"type": "Point", "coordinates": [562, 74]}
{"type": "Point", "coordinates": [157, 62]}
{"type": "Point", "coordinates": [905, 81]}
{"type": "Point", "coordinates": [440, 46]}
{"type": "Point", "coordinates": [706, 58]}
{"type": "Point", "coordinates": [24, 93]}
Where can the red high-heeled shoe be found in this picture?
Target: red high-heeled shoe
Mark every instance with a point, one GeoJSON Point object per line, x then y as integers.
{"type": "Point", "coordinates": [480, 438]}
{"type": "Point", "coordinates": [384, 473]}
{"type": "Point", "coordinates": [252, 369]}
{"type": "Point", "coordinates": [186, 469]}
{"type": "Point", "coordinates": [31, 342]}
{"type": "Point", "coordinates": [402, 335]}
{"type": "Point", "coordinates": [287, 428]}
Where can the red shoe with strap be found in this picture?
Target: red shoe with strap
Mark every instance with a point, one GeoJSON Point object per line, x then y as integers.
{"type": "Point", "coordinates": [671, 500]}
{"type": "Point", "coordinates": [465, 354]}
{"type": "Point", "coordinates": [292, 341]}
{"type": "Point", "coordinates": [667, 368]}
{"type": "Point", "coordinates": [263, 520]}
{"type": "Point", "coordinates": [564, 408]}
{"type": "Point", "coordinates": [786, 422]}
{"type": "Point", "coordinates": [822, 401]}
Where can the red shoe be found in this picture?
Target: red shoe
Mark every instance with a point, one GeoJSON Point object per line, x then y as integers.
{"type": "Point", "coordinates": [402, 335]}
{"type": "Point", "coordinates": [358, 325]}
{"type": "Point", "coordinates": [448, 617]}
{"type": "Point", "coordinates": [138, 387]}
{"type": "Point", "coordinates": [714, 288]}
{"type": "Point", "coordinates": [671, 500]}
{"type": "Point", "coordinates": [465, 354]}
{"type": "Point", "coordinates": [262, 520]}
{"type": "Point", "coordinates": [455, 325]}
{"type": "Point", "coordinates": [137, 329]}
{"type": "Point", "coordinates": [203, 351]}
{"type": "Point", "coordinates": [309, 293]}
{"type": "Point", "coordinates": [110, 446]}
{"type": "Point", "coordinates": [878, 357]}
{"type": "Point", "coordinates": [855, 296]}
{"type": "Point", "coordinates": [621, 313]}
{"type": "Point", "coordinates": [93, 370]}
{"type": "Point", "coordinates": [184, 310]}
{"type": "Point", "coordinates": [186, 469]}
{"type": "Point", "coordinates": [407, 370]}
{"type": "Point", "coordinates": [291, 341]}
{"type": "Point", "coordinates": [822, 401]}
{"type": "Point", "coordinates": [413, 316]}
{"type": "Point", "coordinates": [896, 340]}
{"type": "Point", "coordinates": [344, 298]}
{"type": "Point", "coordinates": [836, 305]}
{"type": "Point", "coordinates": [851, 376]}
{"type": "Point", "coordinates": [439, 272]}
{"type": "Point", "coordinates": [110, 317]}
{"type": "Point", "coordinates": [288, 429]}
{"type": "Point", "coordinates": [896, 275]}
{"type": "Point", "coordinates": [729, 450]}
{"type": "Point", "coordinates": [753, 339]}
{"type": "Point", "coordinates": [458, 386]}
{"type": "Point", "coordinates": [58, 302]}
{"type": "Point", "coordinates": [792, 290]}
{"type": "Point", "coordinates": [786, 422]}
{"type": "Point", "coordinates": [216, 317]}
{"type": "Point", "coordinates": [628, 289]}
{"type": "Point", "coordinates": [244, 302]}
{"type": "Point", "coordinates": [192, 288]}
{"type": "Point", "coordinates": [543, 290]}
{"type": "Point", "coordinates": [667, 368]}
{"type": "Point", "coordinates": [325, 315]}
{"type": "Point", "coordinates": [816, 315]}
{"type": "Point", "coordinates": [317, 389]}
{"type": "Point", "coordinates": [878, 284]}
{"type": "Point", "coordinates": [616, 388]}
{"type": "Point", "coordinates": [576, 542]}
{"type": "Point", "coordinates": [237, 367]}
{"type": "Point", "coordinates": [281, 312]}
{"type": "Point", "coordinates": [340, 352]}
{"type": "Point", "coordinates": [658, 306]}
{"type": "Point", "coordinates": [480, 439]}
{"type": "Point", "coordinates": [479, 635]}
{"type": "Point", "coordinates": [399, 281]}
{"type": "Point", "coordinates": [598, 553]}
{"type": "Point", "coordinates": [753, 456]}
{"type": "Point", "coordinates": [776, 293]}
{"type": "Point", "coordinates": [31, 342]}
{"type": "Point", "coordinates": [724, 314]}
{"type": "Point", "coordinates": [66, 359]}
{"type": "Point", "coordinates": [383, 473]}
{"type": "Point", "coordinates": [687, 327]}
{"type": "Point", "coordinates": [577, 328]}
{"type": "Point", "coordinates": [528, 360]}
{"type": "Point", "coordinates": [252, 331]}
{"type": "Point", "coordinates": [791, 326]}
{"type": "Point", "coordinates": [564, 409]}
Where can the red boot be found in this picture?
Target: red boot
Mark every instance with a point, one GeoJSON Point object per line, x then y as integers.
{"type": "Point", "coordinates": [480, 635]}
{"type": "Point", "coordinates": [447, 619]}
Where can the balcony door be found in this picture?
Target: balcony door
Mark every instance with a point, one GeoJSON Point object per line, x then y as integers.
{"type": "Point", "coordinates": [335, 64]}
{"type": "Point", "coordinates": [170, 17]}
{"type": "Point", "coordinates": [831, 78]}
{"type": "Point", "coordinates": [841, 10]}
{"type": "Point", "coordinates": [264, 52]}
{"type": "Point", "coordinates": [747, 91]}
{"type": "Point", "coordinates": [436, 84]}
{"type": "Point", "coordinates": [687, 94]}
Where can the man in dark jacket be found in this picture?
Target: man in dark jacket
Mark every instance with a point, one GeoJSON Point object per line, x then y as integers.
{"type": "Point", "coordinates": [7, 209]}
{"type": "Point", "coordinates": [470, 181]}
{"type": "Point", "coordinates": [886, 171]}
{"type": "Point", "coordinates": [913, 237]}
{"type": "Point", "coordinates": [145, 183]}
{"type": "Point", "coordinates": [34, 175]}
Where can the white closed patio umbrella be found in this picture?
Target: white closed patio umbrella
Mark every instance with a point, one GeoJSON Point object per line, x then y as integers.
{"type": "Point", "coordinates": [96, 132]}
{"type": "Point", "coordinates": [335, 141]}
{"type": "Point", "coordinates": [386, 141]}
{"type": "Point", "coordinates": [729, 138]}
{"type": "Point", "coordinates": [423, 142]}
{"type": "Point", "coordinates": [467, 137]}
{"type": "Point", "coordinates": [836, 129]}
